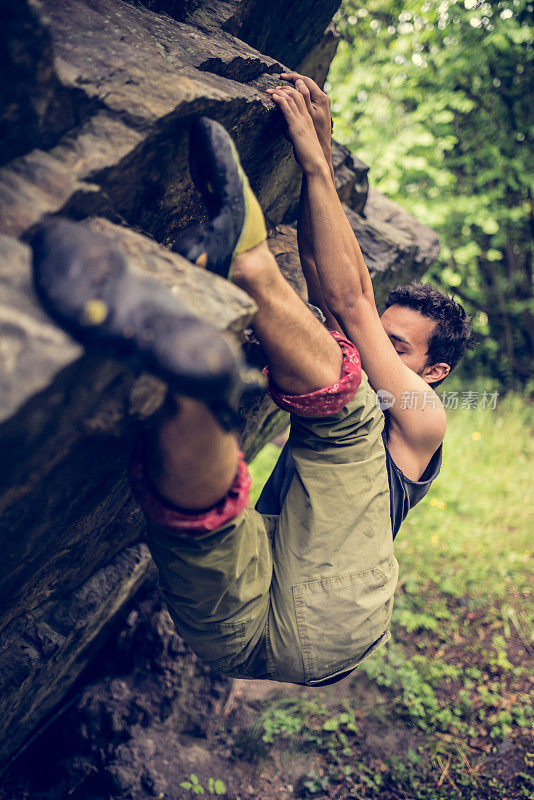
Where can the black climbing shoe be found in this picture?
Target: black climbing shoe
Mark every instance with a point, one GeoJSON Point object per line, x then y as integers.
{"type": "Point", "coordinates": [83, 282]}
{"type": "Point", "coordinates": [236, 220]}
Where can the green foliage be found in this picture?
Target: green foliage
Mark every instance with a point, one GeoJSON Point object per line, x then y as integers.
{"type": "Point", "coordinates": [286, 718]}
{"type": "Point", "coordinates": [262, 465]}
{"type": "Point", "coordinates": [436, 96]}
{"type": "Point", "coordinates": [312, 722]}
{"type": "Point", "coordinates": [472, 533]}
{"type": "Point", "coordinates": [303, 723]}
{"type": "Point", "coordinates": [215, 785]}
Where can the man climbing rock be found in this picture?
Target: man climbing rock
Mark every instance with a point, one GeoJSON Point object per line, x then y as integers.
{"type": "Point", "coordinates": [303, 596]}
{"type": "Point", "coordinates": [301, 588]}
{"type": "Point", "coordinates": [414, 345]}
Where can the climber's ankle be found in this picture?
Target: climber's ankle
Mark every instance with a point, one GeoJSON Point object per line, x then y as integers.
{"type": "Point", "coordinates": [255, 270]}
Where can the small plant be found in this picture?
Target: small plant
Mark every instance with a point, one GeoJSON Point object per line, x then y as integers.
{"type": "Point", "coordinates": [215, 785]}
{"type": "Point", "coordinates": [287, 717]}
{"type": "Point", "coordinates": [315, 728]}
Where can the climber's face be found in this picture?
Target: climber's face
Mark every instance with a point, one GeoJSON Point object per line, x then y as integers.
{"type": "Point", "coordinates": [409, 332]}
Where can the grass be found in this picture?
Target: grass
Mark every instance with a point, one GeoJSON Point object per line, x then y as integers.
{"type": "Point", "coordinates": [474, 530]}
{"type": "Point", "coordinates": [458, 673]}
{"type": "Point", "coordinates": [260, 469]}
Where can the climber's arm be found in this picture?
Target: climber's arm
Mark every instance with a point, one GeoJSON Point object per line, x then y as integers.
{"type": "Point", "coordinates": [307, 259]}
{"type": "Point", "coordinates": [419, 428]}
{"type": "Point", "coordinates": [319, 108]}
{"type": "Point", "coordinates": [348, 291]}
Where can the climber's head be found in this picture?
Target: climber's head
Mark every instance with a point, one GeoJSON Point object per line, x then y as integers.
{"type": "Point", "coordinates": [429, 330]}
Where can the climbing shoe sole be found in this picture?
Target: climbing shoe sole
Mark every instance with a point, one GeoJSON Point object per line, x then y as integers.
{"type": "Point", "coordinates": [83, 282]}
{"type": "Point", "coordinates": [236, 222]}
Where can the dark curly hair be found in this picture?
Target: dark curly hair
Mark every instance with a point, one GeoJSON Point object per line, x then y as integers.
{"type": "Point", "coordinates": [452, 335]}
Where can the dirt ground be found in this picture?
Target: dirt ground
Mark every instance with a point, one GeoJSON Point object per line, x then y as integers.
{"type": "Point", "coordinates": [149, 714]}
{"type": "Point", "coordinates": [150, 721]}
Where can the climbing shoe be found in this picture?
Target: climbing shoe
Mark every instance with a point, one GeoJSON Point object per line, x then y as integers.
{"type": "Point", "coordinates": [236, 220]}
{"type": "Point", "coordinates": [84, 284]}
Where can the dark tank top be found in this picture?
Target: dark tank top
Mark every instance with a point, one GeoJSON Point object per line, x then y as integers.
{"type": "Point", "coordinates": [404, 493]}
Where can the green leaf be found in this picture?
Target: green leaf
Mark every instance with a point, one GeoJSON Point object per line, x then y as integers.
{"type": "Point", "coordinates": [331, 724]}
{"type": "Point", "coordinates": [220, 787]}
{"type": "Point", "coordinates": [490, 225]}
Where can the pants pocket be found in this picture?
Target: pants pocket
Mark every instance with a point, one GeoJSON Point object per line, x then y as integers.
{"type": "Point", "coordinates": [339, 619]}
{"type": "Point", "coordinates": [213, 642]}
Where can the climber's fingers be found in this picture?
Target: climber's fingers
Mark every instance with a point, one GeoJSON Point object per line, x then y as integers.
{"type": "Point", "coordinates": [281, 92]}
{"type": "Point", "coordinates": [286, 106]}
{"type": "Point", "coordinates": [293, 104]}
{"type": "Point", "coordinates": [316, 94]}
{"type": "Point", "coordinates": [297, 97]}
{"type": "Point", "coordinates": [278, 94]}
{"type": "Point", "coordinates": [305, 92]}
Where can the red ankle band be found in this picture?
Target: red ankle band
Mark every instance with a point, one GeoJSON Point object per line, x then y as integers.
{"type": "Point", "coordinates": [195, 523]}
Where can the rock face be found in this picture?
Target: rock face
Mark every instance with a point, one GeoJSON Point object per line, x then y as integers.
{"type": "Point", "coordinates": [95, 112]}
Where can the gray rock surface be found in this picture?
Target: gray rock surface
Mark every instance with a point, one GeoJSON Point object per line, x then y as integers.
{"type": "Point", "coordinates": [352, 183]}
{"type": "Point", "coordinates": [55, 643]}
{"type": "Point", "coordinates": [94, 123]}
{"type": "Point", "coordinates": [316, 62]}
{"type": "Point", "coordinates": [282, 31]}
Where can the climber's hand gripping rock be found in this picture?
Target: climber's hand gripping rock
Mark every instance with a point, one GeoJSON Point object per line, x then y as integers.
{"type": "Point", "coordinates": [318, 105]}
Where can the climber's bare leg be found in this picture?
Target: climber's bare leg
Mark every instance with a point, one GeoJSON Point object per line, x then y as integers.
{"type": "Point", "coordinates": [302, 354]}
{"type": "Point", "coordinates": [192, 461]}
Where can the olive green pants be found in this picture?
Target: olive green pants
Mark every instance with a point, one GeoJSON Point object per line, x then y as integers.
{"type": "Point", "coordinates": [306, 595]}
